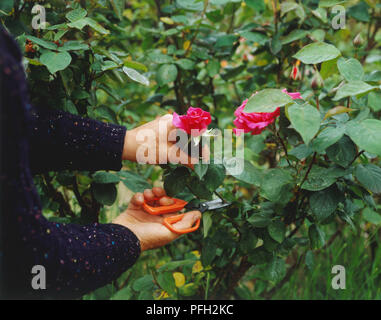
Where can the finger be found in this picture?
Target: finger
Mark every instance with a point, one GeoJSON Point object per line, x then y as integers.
{"type": "Point", "coordinates": [137, 200]}
{"type": "Point", "coordinates": [158, 192]}
{"type": "Point", "coordinates": [166, 201]}
{"type": "Point", "coordinates": [148, 195]}
{"type": "Point", "coordinates": [188, 220]}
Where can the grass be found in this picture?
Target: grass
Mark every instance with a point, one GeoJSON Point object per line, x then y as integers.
{"type": "Point", "coordinates": [359, 254]}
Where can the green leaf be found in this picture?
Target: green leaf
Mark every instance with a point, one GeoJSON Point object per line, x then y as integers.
{"type": "Point", "coordinates": [215, 176]}
{"type": "Point", "coordinates": [305, 119]}
{"type": "Point", "coordinates": [366, 134]}
{"type": "Point", "coordinates": [105, 193]}
{"type": "Point", "coordinates": [136, 76]}
{"type": "Point", "coordinates": [259, 256]}
{"type": "Point", "coordinates": [43, 43]}
{"type": "Point", "coordinates": [256, 37]}
{"type": "Point", "coordinates": [173, 265]}
{"type": "Point", "coordinates": [248, 240]}
{"type": "Point", "coordinates": [160, 58]}
{"type": "Point", "coordinates": [342, 152]}
{"type": "Point", "coordinates": [257, 5]}
{"type": "Point", "coordinates": [56, 61]}
{"type": "Point", "coordinates": [330, 3]}
{"type": "Point", "coordinates": [320, 178]}
{"type": "Point", "coordinates": [74, 46]}
{"type": "Point", "coordinates": [207, 222]}
{"type": "Point", "coordinates": [118, 6]}
{"type": "Point", "coordinates": [317, 52]}
{"type": "Point", "coordinates": [144, 283]}
{"type": "Point", "coordinates": [208, 252]}
{"type": "Point", "coordinates": [96, 26]}
{"type": "Point", "coordinates": [6, 6]}
{"type": "Point", "coordinates": [105, 177]}
{"type": "Point", "coordinates": [79, 24]}
{"type": "Point", "coordinates": [76, 14]}
{"type": "Point", "coordinates": [323, 203]}
{"type": "Point", "coordinates": [226, 40]}
{"type": "Point", "coordinates": [369, 176]}
{"type": "Point", "coordinates": [135, 65]}
{"type": "Point", "coordinates": [317, 237]}
{"type": "Point", "coordinates": [267, 100]}
{"type": "Point", "coordinates": [350, 69]}
{"type": "Point", "coordinates": [176, 181]}
{"type": "Point", "coordinates": [166, 74]}
{"type": "Point", "coordinates": [133, 181]}
{"type": "Point", "coordinates": [188, 290]}
{"type": "Point", "coordinates": [249, 174]}
{"type": "Point", "coordinates": [259, 220]}
{"type": "Point", "coordinates": [185, 64]}
{"type": "Point", "coordinates": [294, 35]}
{"type": "Point", "coordinates": [276, 270]}
{"type": "Point", "coordinates": [374, 99]}
{"type": "Point", "coordinates": [167, 282]}
{"type": "Point", "coordinates": [353, 88]}
{"type": "Point", "coordinates": [328, 68]}
{"type": "Point", "coordinates": [301, 152]}
{"type": "Point", "coordinates": [213, 68]}
{"type": "Point", "coordinates": [371, 216]}
{"type": "Point", "coordinates": [198, 188]}
{"type": "Point", "coordinates": [200, 169]}
{"type": "Point", "coordinates": [276, 186]}
{"type": "Point", "coordinates": [327, 137]}
{"type": "Point", "coordinates": [191, 5]}
{"type": "Point", "coordinates": [125, 293]}
{"type": "Point", "coordinates": [277, 230]}
{"type": "Point", "coordinates": [310, 260]}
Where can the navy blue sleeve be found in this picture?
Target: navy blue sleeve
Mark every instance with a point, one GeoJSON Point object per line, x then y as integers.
{"type": "Point", "coordinates": [60, 140]}
{"type": "Point", "coordinates": [77, 258]}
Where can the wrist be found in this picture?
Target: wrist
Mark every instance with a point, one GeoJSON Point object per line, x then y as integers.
{"type": "Point", "coordinates": [126, 221]}
{"type": "Point", "coordinates": [129, 147]}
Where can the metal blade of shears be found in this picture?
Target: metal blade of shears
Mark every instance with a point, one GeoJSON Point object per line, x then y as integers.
{"type": "Point", "coordinates": [211, 205]}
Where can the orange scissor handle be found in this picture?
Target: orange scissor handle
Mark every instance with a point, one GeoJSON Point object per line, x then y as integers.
{"type": "Point", "coordinates": [171, 220]}
{"type": "Point", "coordinates": [175, 207]}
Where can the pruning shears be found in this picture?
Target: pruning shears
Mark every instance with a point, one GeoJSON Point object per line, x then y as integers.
{"type": "Point", "coordinates": [178, 204]}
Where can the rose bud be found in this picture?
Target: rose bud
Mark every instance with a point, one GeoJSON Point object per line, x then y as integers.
{"type": "Point", "coordinates": [358, 41]}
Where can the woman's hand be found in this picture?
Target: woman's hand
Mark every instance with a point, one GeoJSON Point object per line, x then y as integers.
{"type": "Point", "coordinates": [160, 145]}
{"type": "Point", "coordinates": [149, 228]}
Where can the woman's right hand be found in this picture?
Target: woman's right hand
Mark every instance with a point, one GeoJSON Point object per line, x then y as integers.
{"type": "Point", "coordinates": [161, 129]}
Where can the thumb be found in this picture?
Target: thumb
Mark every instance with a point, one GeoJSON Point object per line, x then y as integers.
{"type": "Point", "coordinates": [189, 219]}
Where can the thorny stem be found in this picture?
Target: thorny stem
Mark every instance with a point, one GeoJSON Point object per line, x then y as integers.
{"type": "Point", "coordinates": [283, 145]}
{"type": "Point", "coordinates": [308, 170]}
{"type": "Point", "coordinates": [354, 159]}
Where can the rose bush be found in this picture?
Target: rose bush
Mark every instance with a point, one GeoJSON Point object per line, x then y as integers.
{"type": "Point", "coordinates": [309, 179]}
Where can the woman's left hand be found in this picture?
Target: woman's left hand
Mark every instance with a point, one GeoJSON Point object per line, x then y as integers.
{"type": "Point", "coordinates": [149, 228]}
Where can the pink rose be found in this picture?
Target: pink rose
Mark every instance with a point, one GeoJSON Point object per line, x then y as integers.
{"type": "Point", "coordinates": [293, 95]}
{"type": "Point", "coordinates": [195, 122]}
{"type": "Point", "coordinates": [256, 122]}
